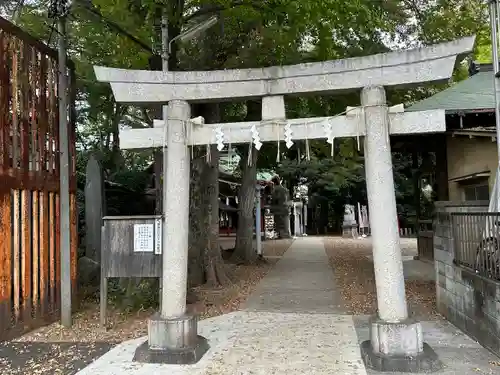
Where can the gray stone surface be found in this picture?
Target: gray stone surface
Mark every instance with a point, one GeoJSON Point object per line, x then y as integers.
{"type": "Point", "coordinates": [399, 68]}
{"type": "Point", "coordinates": [403, 338]}
{"type": "Point", "coordinates": [175, 237]}
{"type": "Point", "coordinates": [459, 354]}
{"type": "Point", "coordinates": [398, 347]}
{"type": "Point", "coordinates": [302, 281]}
{"type": "Point", "coordinates": [413, 269]}
{"type": "Point", "coordinates": [386, 250]}
{"type": "Point", "coordinates": [174, 333]}
{"type": "Point", "coordinates": [419, 270]}
{"type": "Point", "coordinates": [257, 343]}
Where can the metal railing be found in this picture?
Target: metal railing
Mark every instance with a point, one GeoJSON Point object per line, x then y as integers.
{"type": "Point", "coordinates": [476, 238]}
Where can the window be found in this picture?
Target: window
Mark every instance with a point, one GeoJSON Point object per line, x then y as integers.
{"type": "Point", "coordinates": [479, 192]}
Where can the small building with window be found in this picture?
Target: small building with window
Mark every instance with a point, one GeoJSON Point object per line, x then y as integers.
{"type": "Point", "coordinates": [472, 163]}
{"type": "Point", "coordinates": [470, 141]}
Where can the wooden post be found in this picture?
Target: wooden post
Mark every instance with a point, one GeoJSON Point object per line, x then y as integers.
{"type": "Point", "coordinates": [64, 171]}
{"type": "Point", "coordinates": [416, 188]}
{"type": "Point", "coordinates": [442, 167]}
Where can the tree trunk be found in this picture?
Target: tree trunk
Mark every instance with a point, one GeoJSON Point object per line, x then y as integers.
{"type": "Point", "coordinates": [198, 222]}
{"type": "Point", "coordinates": [215, 270]}
{"type": "Point", "coordinates": [244, 249]}
{"type": "Point", "coordinates": [158, 174]}
{"type": "Point", "coordinates": [214, 264]}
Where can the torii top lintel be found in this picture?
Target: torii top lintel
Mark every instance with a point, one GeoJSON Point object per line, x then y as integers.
{"type": "Point", "coordinates": [401, 68]}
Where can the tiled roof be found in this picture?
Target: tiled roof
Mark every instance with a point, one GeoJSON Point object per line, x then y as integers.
{"type": "Point", "coordinates": [472, 94]}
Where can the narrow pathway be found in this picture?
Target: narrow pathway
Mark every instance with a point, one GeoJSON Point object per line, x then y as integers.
{"type": "Point", "coordinates": [302, 281]}
{"type": "Point", "coordinates": [293, 324]}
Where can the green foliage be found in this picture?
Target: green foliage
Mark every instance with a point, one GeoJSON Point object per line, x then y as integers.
{"type": "Point", "coordinates": [252, 34]}
{"type": "Point", "coordinates": [92, 42]}
{"type": "Point", "coordinates": [133, 294]}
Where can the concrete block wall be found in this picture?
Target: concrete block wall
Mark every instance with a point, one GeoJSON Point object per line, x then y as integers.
{"type": "Point", "coordinates": [467, 300]}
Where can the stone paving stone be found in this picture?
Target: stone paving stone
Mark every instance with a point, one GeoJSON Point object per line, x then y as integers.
{"type": "Point", "coordinates": [302, 281]}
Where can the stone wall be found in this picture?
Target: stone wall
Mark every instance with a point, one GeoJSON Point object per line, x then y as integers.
{"type": "Point", "coordinates": [467, 300]}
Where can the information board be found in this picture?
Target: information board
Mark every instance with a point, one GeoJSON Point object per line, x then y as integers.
{"type": "Point", "coordinates": [144, 238]}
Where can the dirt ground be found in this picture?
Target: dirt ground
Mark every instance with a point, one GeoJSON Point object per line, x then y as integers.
{"type": "Point", "coordinates": [354, 275]}
{"type": "Point", "coordinates": [123, 326]}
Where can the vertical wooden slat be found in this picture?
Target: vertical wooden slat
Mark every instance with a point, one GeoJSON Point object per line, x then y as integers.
{"type": "Point", "coordinates": [473, 241]}
{"type": "Point", "coordinates": [465, 242]}
{"type": "Point", "coordinates": [24, 109]}
{"type": "Point", "coordinates": [44, 252]}
{"type": "Point", "coordinates": [58, 249]}
{"type": "Point", "coordinates": [72, 128]}
{"type": "Point", "coordinates": [5, 261]}
{"type": "Point", "coordinates": [495, 234]}
{"type": "Point", "coordinates": [55, 122]}
{"type": "Point", "coordinates": [491, 257]}
{"type": "Point", "coordinates": [4, 105]}
{"type": "Point", "coordinates": [15, 107]}
{"type": "Point", "coordinates": [484, 261]}
{"type": "Point", "coordinates": [36, 250]}
{"type": "Point", "coordinates": [464, 246]}
{"type": "Point", "coordinates": [464, 249]}
{"type": "Point", "coordinates": [34, 108]}
{"type": "Point", "coordinates": [50, 123]}
{"type": "Point", "coordinates": [52, 235]}
{"type": "Point", "coordinates": [26, 254]}
{"type": "Point", "coordinates": [73, 182]}
{"type": "Point", "coordinates": [16, 255]}
{"type": "Point", "coordinates": [74, 242]}
{"type": "Point", "coordinates": [43, 115]}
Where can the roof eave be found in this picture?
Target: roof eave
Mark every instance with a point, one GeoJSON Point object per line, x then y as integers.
{"type": "Point", "coordinates": [469, 111]}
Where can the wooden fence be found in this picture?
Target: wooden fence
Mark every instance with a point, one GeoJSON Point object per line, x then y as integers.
{"type": "Point", "coordinates": [29, 182]}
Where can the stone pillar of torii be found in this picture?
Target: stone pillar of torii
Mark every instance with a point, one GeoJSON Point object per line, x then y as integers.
{"type": "Point", "coordinates": [396, 341]}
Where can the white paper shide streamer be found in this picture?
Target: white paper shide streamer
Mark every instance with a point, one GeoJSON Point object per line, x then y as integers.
{"type": "Point", "coordinates": [219, 137]}
{"type": "Point", "coordinates": [256, 137]}
{"type": "Point", "coordinates": [288, 135]}
{"type": "Point", "coordinates": [327, 127]}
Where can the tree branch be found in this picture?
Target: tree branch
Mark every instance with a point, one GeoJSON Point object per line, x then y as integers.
{"type": "Point", "coordinates": [219, 8]}
{"type": "Point", "coordinates": [112, 25]}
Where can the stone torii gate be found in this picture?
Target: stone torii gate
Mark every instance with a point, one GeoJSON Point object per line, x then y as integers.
{"type": "Point", "coordinates": [396, 341]}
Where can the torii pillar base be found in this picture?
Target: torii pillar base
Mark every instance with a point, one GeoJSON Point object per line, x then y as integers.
{"type": "Point", "coordinates": [172, 341]}
{"type": "Point", "coordinates": [398, 347]}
